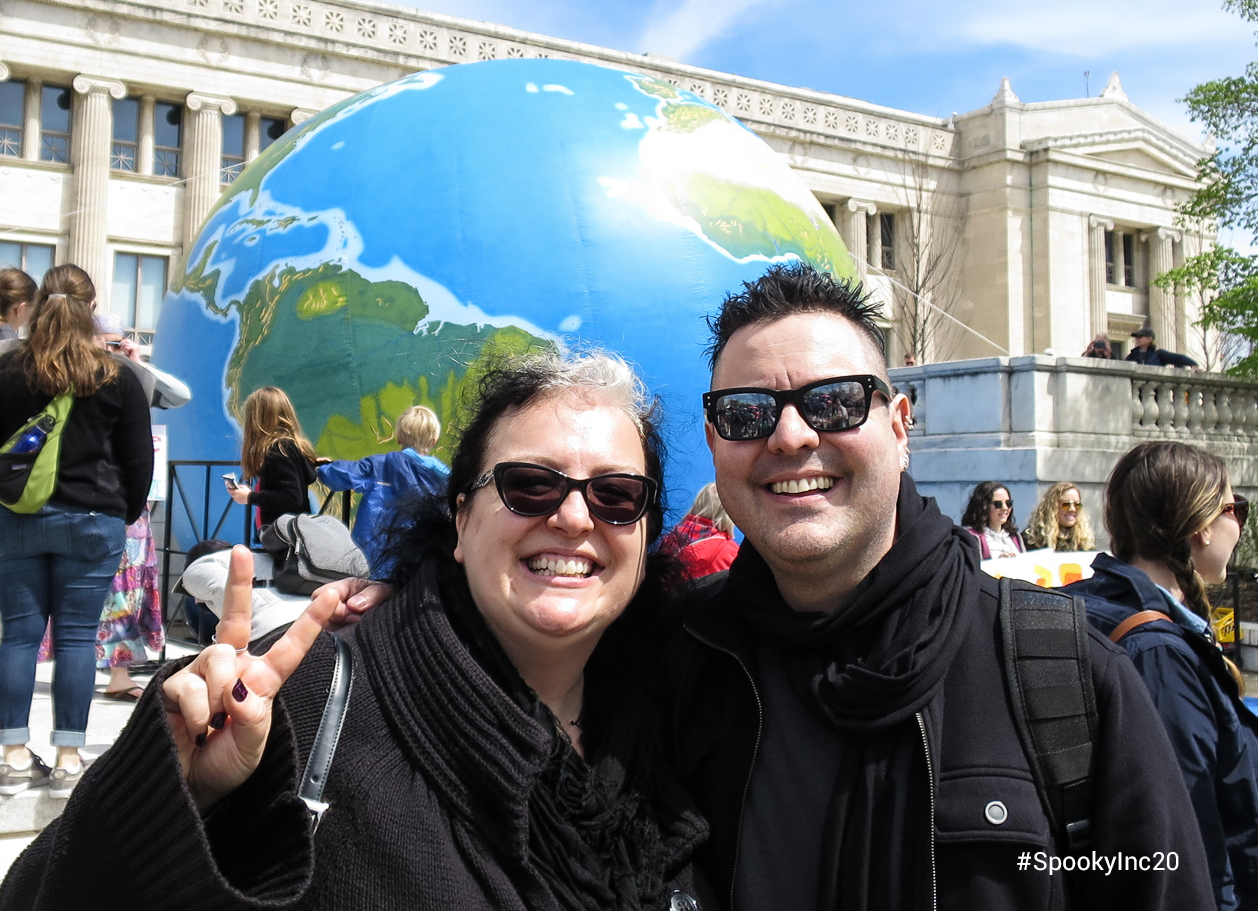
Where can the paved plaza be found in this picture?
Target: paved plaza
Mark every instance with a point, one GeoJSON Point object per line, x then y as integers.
{"type": "Point", "coordinates": [23, 815]}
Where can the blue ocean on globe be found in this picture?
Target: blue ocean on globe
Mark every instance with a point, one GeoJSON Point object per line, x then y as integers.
{"type": "Point", "coordinates": [375, 255]}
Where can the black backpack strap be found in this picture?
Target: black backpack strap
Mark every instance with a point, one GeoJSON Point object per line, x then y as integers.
{"type": "Point", "coordinates": [315, 775]}
{"type": "Point", "coordinates": [1054, 707]}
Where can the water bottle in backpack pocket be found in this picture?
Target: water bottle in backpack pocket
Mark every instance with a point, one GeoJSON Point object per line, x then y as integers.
{"type": "Point", "coordinates": [30, 458]}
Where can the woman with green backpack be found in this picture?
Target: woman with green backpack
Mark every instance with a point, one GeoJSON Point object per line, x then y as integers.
{"type": "Point", "coordinates": [62, 533]}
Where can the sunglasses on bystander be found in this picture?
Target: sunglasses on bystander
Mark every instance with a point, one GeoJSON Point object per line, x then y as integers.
{"type": "Point", "coordinates": [1238, 509]}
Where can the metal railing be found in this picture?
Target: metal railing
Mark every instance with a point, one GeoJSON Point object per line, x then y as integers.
{"type": "Point", "coordinates": [191, 508]}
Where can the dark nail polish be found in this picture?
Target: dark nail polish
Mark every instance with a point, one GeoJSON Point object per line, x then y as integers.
{"type": "Point", "coordinates": [219, 719]}
{"type": "Point", "coordinates": [238, 691]}
{"type": "Point", "coordinates": [200, 740]}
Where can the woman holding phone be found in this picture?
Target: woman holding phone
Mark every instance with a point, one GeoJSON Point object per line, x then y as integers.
{"type": "Point", "coordinates": [277, 454]}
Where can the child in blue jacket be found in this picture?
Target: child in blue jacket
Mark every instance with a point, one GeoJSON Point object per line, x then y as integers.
{"type": "Point", "coordinates": [381, 479]}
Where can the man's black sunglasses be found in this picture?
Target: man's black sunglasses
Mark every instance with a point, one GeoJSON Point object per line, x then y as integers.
{"type": "Point", "coordinates": [752, 413]}
{"type": "Point", "coordinates": [535, 490]}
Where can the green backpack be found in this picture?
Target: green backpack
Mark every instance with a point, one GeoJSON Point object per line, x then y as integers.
{"type": "Point", "coordinates": [28, 479]}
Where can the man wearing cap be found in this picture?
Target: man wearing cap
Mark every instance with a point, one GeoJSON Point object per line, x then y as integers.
{"type": "Point", "coordinates": [1150, 355]}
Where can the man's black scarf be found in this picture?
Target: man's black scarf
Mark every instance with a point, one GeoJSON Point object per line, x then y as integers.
{"type": "Point", "coordinates": [865, 669]}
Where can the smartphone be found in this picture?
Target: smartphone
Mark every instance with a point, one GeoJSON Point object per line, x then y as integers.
{"type": "Point", "coordinates": [230, 480]}
{"type": "Point", "coordinates": [115, 344]}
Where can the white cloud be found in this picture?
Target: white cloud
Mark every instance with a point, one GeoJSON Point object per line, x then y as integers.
{"type": "Point", "coordinates": [1085, 28]}
{"type": "Point", "coordinates": [682, 31]}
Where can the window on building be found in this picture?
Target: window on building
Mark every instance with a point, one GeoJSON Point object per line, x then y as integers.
{"type": "Point", "coordinates": [1121, 258]}
{"type": "Point", "coordinates": [886, 229]}
{"type": "Point", "coordinates": [33, 259]}
{"type": "Point", "coordinates": [139, 283]}
{"type": "Point", "coordinates": [12, 117]}
{"type": "Point", "coordinates": [233, 147]}
{"type": "Point", "coordinates": [54, 124]}
{"type": "Point", "coordinates": [270, 129]}
{"type": "Point", "coordinates": [167, 136]}
{"type": "Point", "coordinates": [123, 152]}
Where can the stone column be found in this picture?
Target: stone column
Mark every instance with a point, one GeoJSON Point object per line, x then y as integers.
{"type": "Point", "coordinates": [4, 77]}
{"type": "Point", "coordinates": [30, 134]}
{"type": "Point", "coordinates": [1181, 302]}
{"type": "Point", "coordinates": [1162, 303]}
{"type": "Point", "coordinates": [253, 135]}
{"type": "Point", "coordinates": [855, 230]}
{"type": "Point", "coordinates": [203, 159]}
{"type": "Point", "coordinates": [144, 136]}
{"type": "Point", "coordinates": [1098, 313]}
{"type": "Point", "coordinates": [92, 133]}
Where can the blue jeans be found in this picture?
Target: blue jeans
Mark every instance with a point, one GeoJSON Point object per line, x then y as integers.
{"type": "Point", "coordinates": [57, 563]}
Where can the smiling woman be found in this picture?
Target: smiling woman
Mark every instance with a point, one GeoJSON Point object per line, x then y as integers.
{"type": "Point", "coordinates": [502, 742]}
{"type": "Point", "coordinates": [989, 517]}
{"type": "Point", "coordinates": [1059, 521]}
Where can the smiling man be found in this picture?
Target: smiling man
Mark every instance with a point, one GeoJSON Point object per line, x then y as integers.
{"type": "Point", "coordinates": [843, 712]}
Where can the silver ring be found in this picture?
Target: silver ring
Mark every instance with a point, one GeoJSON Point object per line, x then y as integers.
{"type": "Point", "coordinates": [214, 641]}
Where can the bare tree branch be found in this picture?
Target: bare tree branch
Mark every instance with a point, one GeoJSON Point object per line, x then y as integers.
{"type": "Point", "coordinates": [929, 250]}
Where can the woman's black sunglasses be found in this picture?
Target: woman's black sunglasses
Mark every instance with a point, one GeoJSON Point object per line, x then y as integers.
{"type": "Point", "coordinates": [752, 413]}
{"type": "Point", "coordinates": [535, 490]}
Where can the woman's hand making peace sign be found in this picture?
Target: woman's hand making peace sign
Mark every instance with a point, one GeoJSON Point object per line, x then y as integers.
{"type": "Point", "coordinates": [219, 706]}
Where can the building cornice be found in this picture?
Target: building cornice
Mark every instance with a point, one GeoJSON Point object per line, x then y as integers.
{"type": "Point", "coordinates": [413, 40]}
{"type": "Point", "coordinates": [1177, 153]}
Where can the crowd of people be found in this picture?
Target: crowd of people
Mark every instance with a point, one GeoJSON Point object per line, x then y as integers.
{"type": "Point", "coordinates": [556, 705]}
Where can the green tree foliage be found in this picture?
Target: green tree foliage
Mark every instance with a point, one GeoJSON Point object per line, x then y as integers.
{"type": "Point", "coordinates": [1227, 281]}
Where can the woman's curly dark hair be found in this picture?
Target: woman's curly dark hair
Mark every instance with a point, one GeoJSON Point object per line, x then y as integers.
{"type": "Point", "coordinates": [975, 516]}
{"type": "Point", "coordinates": [423, 528]}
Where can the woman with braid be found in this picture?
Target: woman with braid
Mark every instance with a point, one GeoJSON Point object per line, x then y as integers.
{"type": "Point", "coordinates": [1174, 522]}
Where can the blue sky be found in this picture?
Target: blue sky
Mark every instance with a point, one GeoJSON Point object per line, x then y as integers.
{"type": "Point", "coordinates": [929, 57]}
{"type": "Point", "coordinates": [917, 55]}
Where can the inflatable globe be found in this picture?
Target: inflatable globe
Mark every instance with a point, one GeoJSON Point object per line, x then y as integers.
{"type": "Point", "coordinates": [372, 257]}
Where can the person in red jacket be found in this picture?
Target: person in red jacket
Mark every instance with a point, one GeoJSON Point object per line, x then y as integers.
{"type": "Point", "coordinates": [705, 538]}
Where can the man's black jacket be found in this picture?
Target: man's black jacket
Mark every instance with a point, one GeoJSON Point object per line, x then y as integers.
{"type": "Point", "coordinates": [976, 757]}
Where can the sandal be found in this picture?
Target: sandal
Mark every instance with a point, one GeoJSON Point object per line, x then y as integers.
{"type": "Point", "coordinates": [130, 694]}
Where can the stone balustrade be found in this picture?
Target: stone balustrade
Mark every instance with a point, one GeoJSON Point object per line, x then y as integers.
{"type": "Point", "coordinates": [1207, 408]}
{"type": "Point", "coordinates": [1032, 421]}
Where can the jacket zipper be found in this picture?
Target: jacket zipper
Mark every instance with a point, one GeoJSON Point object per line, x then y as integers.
{"type": "Point", "coordinates": [742, 806]}
{"type": "Point", "coordinates": [930, 780]}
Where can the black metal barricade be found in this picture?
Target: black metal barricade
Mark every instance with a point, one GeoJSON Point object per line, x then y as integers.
{"type": "Point", "coordinates": [190, 507]}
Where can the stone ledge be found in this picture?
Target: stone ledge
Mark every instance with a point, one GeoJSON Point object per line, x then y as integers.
{"type": "Point", "coordinates": [28, 812]}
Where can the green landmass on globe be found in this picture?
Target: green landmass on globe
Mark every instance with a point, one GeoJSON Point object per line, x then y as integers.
{"type": "Point", "coordinates": [350, 409]}
{"type": "Point", "coordinates": [739, 217]}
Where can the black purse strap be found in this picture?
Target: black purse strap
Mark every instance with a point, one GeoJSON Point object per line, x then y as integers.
{"type": "Point", "coordinates": [319, 762]}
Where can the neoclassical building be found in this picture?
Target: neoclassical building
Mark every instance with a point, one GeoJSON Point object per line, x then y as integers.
{"type": "Point", "coordinates": [1007, 230]}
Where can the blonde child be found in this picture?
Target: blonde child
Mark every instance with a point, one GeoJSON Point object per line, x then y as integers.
{"type": "Point", "coordinates": [381, 479]}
